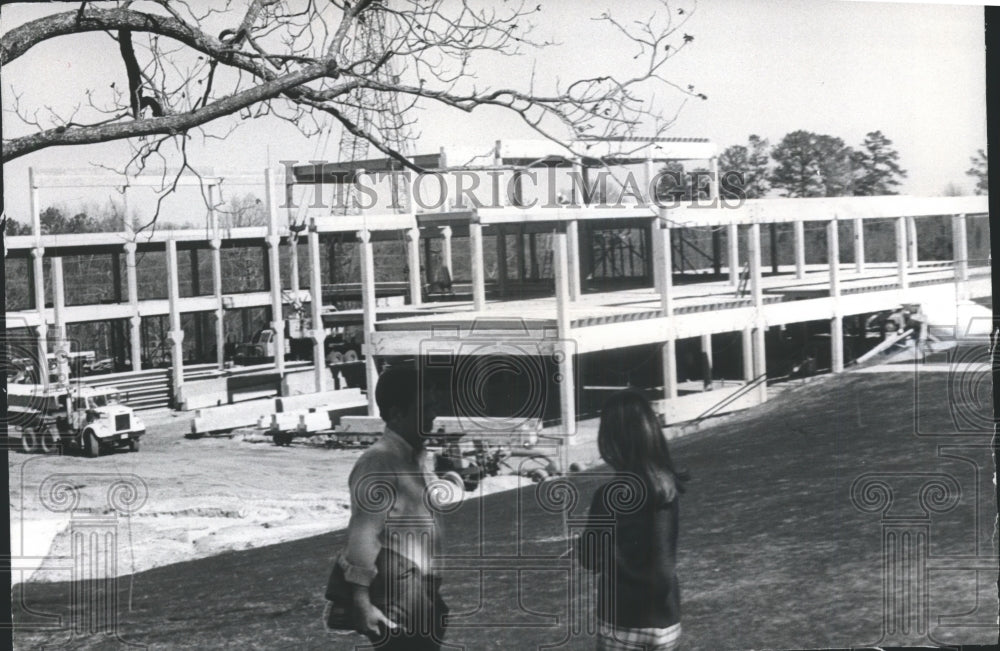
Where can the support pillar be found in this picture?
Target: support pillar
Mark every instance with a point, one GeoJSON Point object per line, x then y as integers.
{"type": "Point", "coordinates": [567, 385]}
{"type": "Point", "coordinates": [800, 249]}
{"type": "Point", "coordinates": [859, 245]}
{"type": "Point", "coordinates": [176, 333]}
{"type": "Point", "coordinates": [413, 264]}
{"type": "Point", "coordinates": [911, 228]}
{"type": "Point", "coordinates": [476, 264]}
{"type": "Point", "coordinates": [132, 282]}
{"type": "Point", "coordinates": [960, 247]}
{"type": "Point", "coordinates": [446, 249]}
{"type": "Point", "coordinates": [367, 257]}
{"type": "Point", "coordinates": [277, 316]}
{"type": "Point", "coordinates": [573, 249]}
{"type": "Point", "coordinates": [753, 252]}
{"type": "Point", "coordinates": [316, 289]}
{"type": "Point", "coordinates": [713, 187]}
{"type": "Point", "coordinates": [747, 348]}
{"type": "Point", "coordinates": [903, 280]}
{"type": "Point", "coordinates": [706, 359]}
{"type": "Point", "coordinates": [760, 360]}
{"type": "Point", "coordinates": [733, 244]}
{"type": "Point", "coordinates": [220, 310]}
{"type": "Point", "coordinates": [59, 315]}
{"type": "Point", "coordinates": [665, 266]}
{"type": "Point", "coordinates": [836, 323]}
{"type": "Point", "coordinates": [669, 355]}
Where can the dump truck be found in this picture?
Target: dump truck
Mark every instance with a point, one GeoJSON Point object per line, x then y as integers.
{"type": "Point", "coordinates": [90, 420]}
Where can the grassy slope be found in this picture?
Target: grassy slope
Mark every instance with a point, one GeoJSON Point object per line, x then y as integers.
{"type": "Point", "coordinates": [773, 554]}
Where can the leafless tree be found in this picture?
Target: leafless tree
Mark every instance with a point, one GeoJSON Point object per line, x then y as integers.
{"type": "Point", "coordinates": [299, 61]}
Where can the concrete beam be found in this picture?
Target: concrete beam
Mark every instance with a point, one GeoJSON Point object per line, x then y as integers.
{"type": "Point", "coordinates": [368, 315]}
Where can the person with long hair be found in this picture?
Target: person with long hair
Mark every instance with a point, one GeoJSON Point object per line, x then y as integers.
{"type": "Point", "coordinates": [631, 535]}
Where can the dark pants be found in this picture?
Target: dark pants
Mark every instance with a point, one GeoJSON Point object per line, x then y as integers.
{"type": "Point", "coordinates": [412, 600]}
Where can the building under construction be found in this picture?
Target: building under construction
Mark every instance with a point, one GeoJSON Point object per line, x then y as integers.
{"type": "Point", "coordinates": [522, 309]}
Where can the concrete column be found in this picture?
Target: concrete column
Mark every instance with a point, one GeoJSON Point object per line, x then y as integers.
{"type": "Point", "coordinates": [836, 323]}
{"type": "Point", "coordinates": [132, 282]}
{"type": "Point", "coordinates": [176, 333]}
{"type": "Point", "coordinates": [649, 173]}
{"type": "Point", "coordinates": [293, 242]}
{"type": "Point", "coordinates": [368, 314]}
{"type": "Point", "coordinates": [904, 282]}
{"type": "Point", "coordinates": [800, 249]}
{"type": "Point", "coordinates": [960, 246]}
{"type": "Point", "coordinates": [748, 361]}
{"type": "Point", "coordinates": [413, 264]}
{"type": "Point", "coordinates": [135, 341]}
{"type": "Point", "coordinates": [573, 248]}
{"type": "Point", "coordinates": [59, 316]}
{"type": "Point", "coordinates": [833, 260]}
{"type": "Point", "coordinates": [446, 249]}
{"type": "Point", "coordinates": [655, 244]}
{"type": "Point", "coordinates": [220, 311]}
{"type": "Point", "coordinates": [476, 264]}
{"type": "Point", "coordinates": [665, 265]}
{"type": "Point", "coordinates": [911, 228]}
{"type": "Point", "coordinates": [669, 355]}
{"type": "Point", "coordinates": [837, 344]}
{"type": "Point", "coordinates": [274, 271]}
{"type": "Point", "coordinates": [753, 252]}
{"type": "Point", "coordinates": [760, 359]}
{"type": "Point", "coordinates": [316, 289]}
{"type": "Point", "coordinates": [713, 187]}
{"type": "Point", "coordinates": [733, 235]}
{"type": "Point", "coordinates": [859, 245]}
{"type": "Point", "coordinates": [38, 273]}
{"type": "Point", "coordinates": [706, 353]}
{"type": "Point", "coordinates": [567, 387]}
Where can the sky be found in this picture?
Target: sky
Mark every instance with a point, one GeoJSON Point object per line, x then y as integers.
{"type": "Point", "coordinates": [914, 71]}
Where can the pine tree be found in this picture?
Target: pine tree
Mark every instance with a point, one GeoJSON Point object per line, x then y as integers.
{"type": "Point", "coordinates": [876, 166]}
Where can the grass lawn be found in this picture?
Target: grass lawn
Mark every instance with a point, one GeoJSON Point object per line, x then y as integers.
{"type": "Point", "coordinates": [773, 552]}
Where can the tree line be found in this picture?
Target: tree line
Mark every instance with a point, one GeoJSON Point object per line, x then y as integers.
{"type": "Point", "coordinates": [806, 164]}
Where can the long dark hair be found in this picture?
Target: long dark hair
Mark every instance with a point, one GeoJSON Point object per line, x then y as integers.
{"type": "Point", "coordinates": [630, 440]}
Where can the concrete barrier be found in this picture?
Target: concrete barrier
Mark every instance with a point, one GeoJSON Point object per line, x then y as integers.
{"type": "Point", "coordinates": [361, 425]}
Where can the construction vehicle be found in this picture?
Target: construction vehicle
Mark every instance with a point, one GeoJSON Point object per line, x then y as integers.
{"type": "Point", "coordinates": [340, 347]}
{"type": "Point", "coordinates": [87, 419]}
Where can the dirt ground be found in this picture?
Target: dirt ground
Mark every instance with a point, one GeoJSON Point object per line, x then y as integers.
{"type": "Point", "coordinates": [194, 497]}
{"type": "Point", "coordinates": [783, 534]}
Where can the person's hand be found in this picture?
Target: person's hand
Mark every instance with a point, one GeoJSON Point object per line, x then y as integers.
{"type": "Point", "coordinates": [369, 620]}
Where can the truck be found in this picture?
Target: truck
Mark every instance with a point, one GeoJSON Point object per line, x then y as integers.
{"type": "Point", "coordinates": [341, 346]}
{"type": "Point", "coordinates": [87, 419]}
